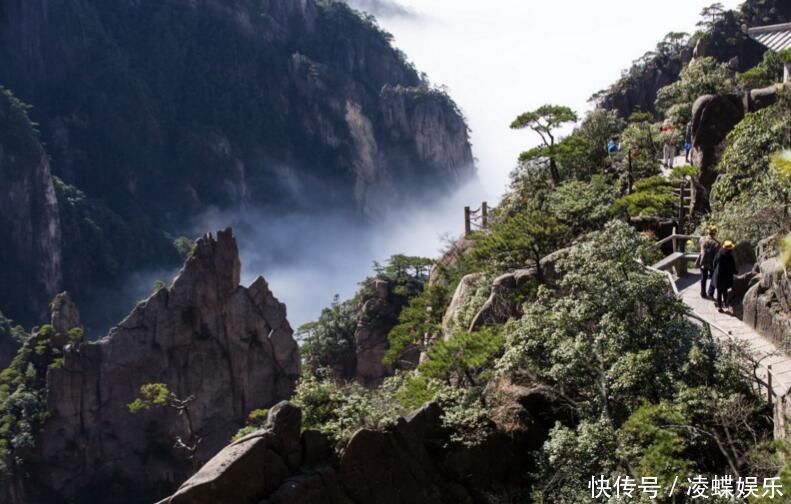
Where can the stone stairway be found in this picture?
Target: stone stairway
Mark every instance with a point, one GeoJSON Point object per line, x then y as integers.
{"type": "Point", "coordinates": [725, 325]}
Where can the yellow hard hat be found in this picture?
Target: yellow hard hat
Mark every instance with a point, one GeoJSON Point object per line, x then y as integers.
{"type": "Point", "coordinates": [728, 245]}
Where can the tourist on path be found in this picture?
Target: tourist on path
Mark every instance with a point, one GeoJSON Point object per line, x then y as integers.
{"type": "Point", "coordinates": [709, 246]}
{"type": "Point", "coordinates": [724, 271]}
{"type": "Point", "coordinates": [669, 145]}
{"type": "Point", "coordinates": [613, 146]}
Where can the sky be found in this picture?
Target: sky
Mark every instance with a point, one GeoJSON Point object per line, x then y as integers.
{"type": "Point", "coordinates": [503, 57]}
{"type": "Point", "coordinates": [498, 59]}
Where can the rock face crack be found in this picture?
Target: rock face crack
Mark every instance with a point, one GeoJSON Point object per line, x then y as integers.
{"type": "Point", "coordinates": [92, 449]}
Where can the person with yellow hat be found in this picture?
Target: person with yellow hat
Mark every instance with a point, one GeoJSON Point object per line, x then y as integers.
{"type": "Point", "coordinates": [724, 271]}
{"type": "Point", "coordinates": [709, 246]}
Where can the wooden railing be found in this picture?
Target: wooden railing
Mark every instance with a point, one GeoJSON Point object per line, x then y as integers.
{"type": "Point", "coordinates": [679, 258]}
{"type": "Point", "coordinates": [675, 238]}
{"type": "Point", "coordinates": [686, 199]}
{"type": "Point", "coordinates": [766, 387]}
{"type": "Point", "coordinates": [477, 218]}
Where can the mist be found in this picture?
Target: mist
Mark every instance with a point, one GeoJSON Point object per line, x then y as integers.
{"type": "Point", "coordinates": [381, 8]}
{"type": "Point", "coordinates": [497, 59]}
{"type": "Point", "coordinates": [504, 57]}
{"type": "Point", "coordinates": [307, 259]}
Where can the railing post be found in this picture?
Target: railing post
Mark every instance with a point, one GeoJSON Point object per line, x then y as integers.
{"type": "Point", "coordinates": [769, 383]}
{"type": "Point", "coordinates": [485, 215]}
{"type": "Point", "coordinates": [681, 209]}
{"type": "Point", "coordinates": [675, 241]}
{"type": "Point", "coordinates": [467, 225]}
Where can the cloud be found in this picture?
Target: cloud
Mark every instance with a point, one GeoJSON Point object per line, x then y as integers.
{"type": "Point", "coordinates": [382, 8]}
{"type": "Point", "coordinates": [308, 258]}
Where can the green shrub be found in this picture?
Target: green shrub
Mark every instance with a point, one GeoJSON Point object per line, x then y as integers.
{"type": "Point", "coordinates": [464, 415]}
{"type": "Point", "coordinates": [583, 206]}
{"type": "Point", "coordinates": [680, 172]}
{"type": "Point", "coordinates": [420, 319]}
{"type": "Point", "coordinates": [256, 420]}
{"type": "Point", "coordinates": [329, 340]}
{"type": "Point", "coordinates": [769, 71]}
{"type": "Point", "coordinates": [413, 389]}
{"type": "Point", "coordinates": [700, 77]}
{"type": "Point", "coordinates": [9, 331]}
{"type": "Point", "coordinates": [616, 347]}
{"type": "Point", "coordinates": [521, 240]}
{"type": "Point", "coordinates": [465, 357]}
{"type": "Point", "coordinates": [23, 395]}
{"type": "Point", "coordinates": [184, 246]}
{"type": "Point", "coordinates": [338, 410]}
{"type": "Point", "coordinates": [751, 216]}
{"type": "Point", "coordinates": [652, 197]}
{"type": "Point", "coordinates": [751, 145]}
{"type": "Point", "coordinates": [150, 395]}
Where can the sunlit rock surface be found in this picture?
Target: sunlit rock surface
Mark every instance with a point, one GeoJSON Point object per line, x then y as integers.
{"type": "Point", "coordinates": [229, 346]}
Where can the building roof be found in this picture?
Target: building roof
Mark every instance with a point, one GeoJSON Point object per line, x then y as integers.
{"type": "Point", "coordinates": [776, 37]}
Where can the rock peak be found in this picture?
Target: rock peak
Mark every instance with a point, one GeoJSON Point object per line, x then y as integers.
{"type": "Point", "coordinates": [206, 336]}
{"type": "Point", "coordinates": [213, 267]}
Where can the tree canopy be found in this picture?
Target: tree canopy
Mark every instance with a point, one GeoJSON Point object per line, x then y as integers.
{"type": "Point", "coordinates": [544, 121]}
{"type": "Point", "coordinates": [701, 77]}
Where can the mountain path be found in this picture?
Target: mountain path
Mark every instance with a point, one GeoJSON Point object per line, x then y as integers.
{"type": "Point", "coordinates": [726, 325]}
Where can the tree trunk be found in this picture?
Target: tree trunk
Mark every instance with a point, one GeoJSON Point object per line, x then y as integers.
{"type": "Point", "coordinates": [553, 171]}
{"type": "Point", "coordinates": [630, 175]}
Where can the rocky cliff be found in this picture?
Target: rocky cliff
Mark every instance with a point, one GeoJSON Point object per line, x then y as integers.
{"type": "Point", "coordinates": [205, 336]}
{"type": "Point", "coordinates": [724, 41]}
{"type": "Point", "coordinates": [412, 462]}
{"type": "Point", "coordinates": [767, 304]}
{"type": "Point", "coordinates": [713, 118]}
{"type": "Point", "coordinates": [165, 108]}
{"type": "Point", "coordinates": [31, 252]}
{"type": "Point", "coordinates": [153, 112]}
{"type": "Point", "coordinates": [377, 315]}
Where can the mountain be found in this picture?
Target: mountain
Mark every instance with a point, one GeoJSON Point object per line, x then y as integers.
{"type": "Point", "coordinates": [223, 349]}
{"type": "Point", "coordinates": [31, 254]}
{"type": "Point", "coordinates": [724, 40]}
{"type": "Point", "coordinates": [153, 112]}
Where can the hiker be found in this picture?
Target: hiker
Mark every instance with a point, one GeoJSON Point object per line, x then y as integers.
{"type": "Point", "coordinates": [688, 141]}
{"type": "Point", "coordinates": [669, 147]}
{"type": "Point", "coordinates": [724, 271]}
{"type": "Point", "coordinates": [709, 246]}
{"type": "Point", "coordinates": [612, 146]}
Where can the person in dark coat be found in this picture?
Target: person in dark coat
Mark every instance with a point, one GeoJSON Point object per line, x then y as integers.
{"type": "Point", "coordinates": [709, 246]}
{"type": "Point", "coordinates": [724, 271]}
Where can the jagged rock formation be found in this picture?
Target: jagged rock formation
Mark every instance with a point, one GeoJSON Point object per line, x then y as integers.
{"type": "Point", "coordinates": [506, 295]}
{"type": "Point", "coordinates": [450, 259]}
{"type": "Point", "coordinates": [638, 92]}
{"type": "Point", "coordinates": [728, 43]}
{"type": "Point", "coordinates": [30, 255]}
{"type": "Point", "coordinates": [378, 314]}
{"type": "Point", "coordinates": [229, 346]}
{"type": "Point", "coordinates": [64, 319]}
{"type": "Point", "coordinates": [511, 289]}
{"type": "Point", "coordinates": [409, 463]}
{"type": "Point", "coordinates": [453, 318]}
{"type": "Point", "coordinates": [767, 304]}
{"type": "Point", "coordinates": [713, 117]}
